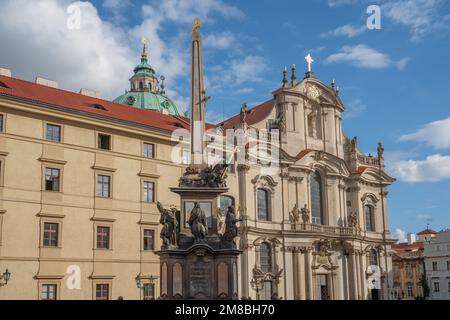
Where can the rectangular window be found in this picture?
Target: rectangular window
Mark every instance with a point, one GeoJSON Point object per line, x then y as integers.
{"type": "Point", "coordinates": [369, 219]}
{"type": "Point", "coordinates": [1, 123]}
{"type": "Point", "coordinates": [149, 150]}
{"type": "Point", "coordinates": [448, 286]}
{"type": "Point", "coordinates": [149, 191]}
{"type": "Point", "coordinates": [410, 291]}
{"type": "Point", "coordinates": [104, 141]}
{"type": "Point", "coordinates": [102, 291]}
{"type": "Point", "coordinates": [448, 265]}
{"type": "Point", "coordinates": [149, 291]}
{"type": "Point", "coordinates": [49, 292]}
{"type": "Point", "coordinates": [149, 236]}
{"type": "Point", "coordinates": [53, 133]}
{"type": "Point", "coordinates": [52, 179]}
{"type": "Point", "coordinates": [103, 186]}
{"type": "Point", "coordinates": [50, 238]}
{"type": "Point", "coordinates": [436, 286]}
{"type": "Point", "coordinates": [434, 266]}
{"type": "Point", "coordinates": [103, 237]}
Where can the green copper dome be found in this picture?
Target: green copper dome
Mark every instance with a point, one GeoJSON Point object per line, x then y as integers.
{"type": "Point", "coordinates": [146, 92]}
{"type": "Point", "coordinates": [152, 101]}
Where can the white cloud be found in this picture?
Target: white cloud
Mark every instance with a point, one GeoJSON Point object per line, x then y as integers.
{"type": "Point", "coordinates": [214, 117]}
{"type": "Point", "coordinates": [362, 56]}
{"type": "Point", "coordinates": [432, 169]}
{"type": "Point", "coordinates": [424, 216]}
{"type": "Point", "coordinates": [219, 41]}
{"type": "Point", "coordinates": [100, 55]}
{"type": "Point", "coordinates": [400, 235]}
{"type": "Point", "coordinates": [336, 3]}
{"type": "Point", "coordinates": [39, 43]}
{"type": "Point", "coordinates": [435, 134]}
{"type": "Point", "coordinates": [346, 31]}
{"type": "Point", "coordinates": [354, 109]}
{"type": "Point", "coordinates": [118, 9]}
{"type": "Point", "coordinates": [401, 64]}
{"type": "Point", "coordinates": [249, 69]}
{"type": "Point", "coordinates": [422, 17]}
{"type": "Point", "coordinates": [185, 11]}
{"type": "Point", "coordinates": [246, 90]}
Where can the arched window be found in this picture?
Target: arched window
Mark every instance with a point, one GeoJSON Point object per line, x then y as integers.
{"type": "Point", "coordinates": [265, 257]}
{"type": "Point", "coordinates": [369, 218]}
{"type": "Point", "coordinates": [373, 257]}
{"type": "Point", "coordinates": [315, 185]}
{"type": "Point", "coordinates": [141, 85]}
{"type": "Point", "coordinates": [225, 202]}
{"type": "Point", "coordinates": [263, 204]}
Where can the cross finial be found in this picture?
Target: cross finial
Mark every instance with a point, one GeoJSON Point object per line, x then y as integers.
{"type": "Point", "coordinates": [309, 60]}
{"type": "Point", "coordinates": [144, 41]}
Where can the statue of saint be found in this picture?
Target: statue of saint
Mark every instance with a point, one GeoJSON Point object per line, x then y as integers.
{"type": "Point", "coordinates": [169, 222]}
{"type": "Point", "coordinates": [231, 230]}
{"type": "Point", "coordinates": [295, 214]}
{"type": "Point", "coordinates": [243, 112]}
{"type": "Point", "coordinates": [197, 222]}
{"type": "Point", "coordinates": [352, 219]}
{"type": "Point", "coordinates": [305, 214]}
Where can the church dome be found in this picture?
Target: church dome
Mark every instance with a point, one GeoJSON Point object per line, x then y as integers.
{"type": "Point", "coordinates": [151, 101]}
{"type": "Point", "coordinates": [146, 92]}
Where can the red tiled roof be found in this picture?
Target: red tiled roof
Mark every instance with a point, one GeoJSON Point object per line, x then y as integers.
{"type": "Point", "coordinates": [427, 231]}
{"type": "Point", "coordinates": [407, 247]}
{"type": "Point", "coordinates": [254, 115]}
{"type": "Point", "coordinates": [303, 153]}
{"type": "Point", "coordinates": [361, 169]}
{"type": "Point", "coordinates": [81, 103]}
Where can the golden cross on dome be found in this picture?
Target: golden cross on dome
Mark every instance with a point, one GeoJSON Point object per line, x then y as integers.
{"type": "Point", "coordinates": [144, 40]}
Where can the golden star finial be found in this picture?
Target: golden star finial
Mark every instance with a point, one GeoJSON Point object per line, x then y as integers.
{"type": "Point", "coordinates": [197, 24]}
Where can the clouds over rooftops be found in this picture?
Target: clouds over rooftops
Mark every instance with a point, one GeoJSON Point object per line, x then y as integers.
{"type": "Point", "coordinates": [347, 30]}
{"type": "Point", "coordinates": [363, 56]}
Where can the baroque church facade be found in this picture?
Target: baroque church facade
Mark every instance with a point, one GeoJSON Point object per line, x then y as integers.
{"type": "Point", "coordinates": [80, 178]}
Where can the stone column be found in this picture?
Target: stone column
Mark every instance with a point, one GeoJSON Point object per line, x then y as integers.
{"type": "Point", "coordinates": [362, 271]}
{"type": "Point", "coordinates": [352, 276]}
{"type": "Point", "coordinates": [242, 180]}
{"type": "Point", "coordinates": [308, 274]}
{"type": "Point", "coordinates": [358, 277]}
{"type": "Point", "coordinates": [297, 282]}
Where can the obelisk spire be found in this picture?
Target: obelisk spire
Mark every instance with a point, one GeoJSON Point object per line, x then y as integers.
{"type": "Point", "coordinates": [198, 98]}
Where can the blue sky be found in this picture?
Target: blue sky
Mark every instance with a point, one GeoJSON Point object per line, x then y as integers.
{"type": "Point", "coordinates": [393, 81]}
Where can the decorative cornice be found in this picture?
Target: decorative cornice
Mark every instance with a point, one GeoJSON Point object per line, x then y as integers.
{"type": "Point", "coordinates": [52, 276]}
{"type": "Point", "coordinates": [98, 276]}
{"type": "Point", "coordinates": [102, 219]}
{"type": "Point", "coordinates": [148, 222]}
{"type": "Point", "coordinates": [148, 175]}
{"type": "Point", "coordinates": [55, 161]}
{"type": "Point", "coordinates": [95, 167]}
{"type": "Point", "coordinates": [50, 215]}
{"type": "Point", "coordinates": [4, 153]}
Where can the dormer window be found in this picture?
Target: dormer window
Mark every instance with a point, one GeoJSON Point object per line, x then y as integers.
{"type": "Point", "coordinates": [98, 106]}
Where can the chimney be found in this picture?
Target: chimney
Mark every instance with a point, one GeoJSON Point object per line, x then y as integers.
{"type": "Point", "coordinates": [411, 238]}
{"type": "Point", "coordinates": [46, 82]}
{"type": "Point", "coordinates": [90, 93]}
{"type": "Point", "coordinates": [5, 72]}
